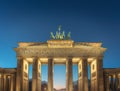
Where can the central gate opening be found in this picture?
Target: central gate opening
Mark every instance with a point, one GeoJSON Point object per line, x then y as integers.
{"type": "Point", "coordinates": [59, 82]}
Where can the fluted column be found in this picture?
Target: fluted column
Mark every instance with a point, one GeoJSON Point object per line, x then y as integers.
{"type": "Point", "coordinates": [14, 83]}
{"type": "Point", "coordinates": [69, 80]}
{"type": "Point", "coordinates": [36, 75]}
{"type": "Point", "coordinates": [19, 78]}
{"type": "Point", "coordinates": [107, 83]}
{"type": "Point", "coordinates": [8, 83]}
{"type": "Point", "coordinates": [5, 79]}
{"type": "Point", "coordinates": [50, 74]}
{"type": "Point", "coordinates": [11, 83]}
{"type": "Point", "coordinates": [1, 82]}
{"type": "Point", "coordinates": [112, 85]}
{"type": "Point", "coordinates": [22, 74]}
{"type": "Point", "coordinates": [117, 82]}
{"type": "Point", "coordinates": [83, 75]}
{"type": "Point", "coordinates": [100, 80]}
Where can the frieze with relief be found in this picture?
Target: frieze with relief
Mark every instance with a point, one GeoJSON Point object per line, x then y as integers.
{"type": "Point", "coordinates": [58, 52]}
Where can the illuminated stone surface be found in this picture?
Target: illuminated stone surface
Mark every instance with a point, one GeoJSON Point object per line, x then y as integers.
{"type": "Point", "coordinates": [60, 52]}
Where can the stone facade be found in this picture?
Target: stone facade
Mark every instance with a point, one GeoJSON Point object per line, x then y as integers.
{"type": "Point", "coordinates": [65, 52]}
{"type": "Point", "coordinates": [112, 79]}
{"type": "Point", "coordinates": [8, 79]}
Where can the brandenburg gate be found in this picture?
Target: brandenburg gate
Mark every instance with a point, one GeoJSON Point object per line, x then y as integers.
{"type": "Point", "coordinates": [59, 51]}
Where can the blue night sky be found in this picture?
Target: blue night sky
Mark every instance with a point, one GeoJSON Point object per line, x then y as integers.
{"type": "Point", "coordinates": [32, 21]}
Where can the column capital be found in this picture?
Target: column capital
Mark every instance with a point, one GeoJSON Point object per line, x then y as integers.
{"type": "Point", "coordinates": [69, 58]}
{"type": "Point", "coordinates": [99, 58]}
{"type": "Point", "coordinates": [84, 58]}
{"type": "Point", "coordinates": [20, 58]}
{"type": "Point", "coordinates": [50, 58]}
{"type": "Point", "coordinates": [35, 58]}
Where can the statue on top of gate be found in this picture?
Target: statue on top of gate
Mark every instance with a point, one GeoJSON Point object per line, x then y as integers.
{"type": "Point", "coordinates": [60, 35]}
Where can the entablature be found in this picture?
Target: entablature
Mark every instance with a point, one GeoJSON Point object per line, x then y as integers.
{"type": "Point", "coordinates": [59, 52]}
{"type": "Point", "coordinates": [59, 48]}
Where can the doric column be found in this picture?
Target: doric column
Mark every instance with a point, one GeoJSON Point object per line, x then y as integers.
{"type": "Point", "coordinates": [83, 75]}
{"type": "Point", "coordinates": [36, 75]}
{"type": "Point", "coordinates": [5, 79]}
{"type": "Point", "coordinates": [19, 78]}
{"type": "Point", "coordinates": [69, 81]}
{"type": "Point", "coordinates": [8, 83]}
{"type": "Point", "coordinates": [100, 80]}
{"type": "Point", "coordinates": [117, 82]}
{"type": "Point", "coordinates": [11, 83]}
{"type": "Point", "coordinates": [112, 83]}
{"type": "Point", "coordinates": [107, 86]}
{"type": "Point", "coordinates": [50, 74]}
{"type": "Point", "coordinates": [1, 82]}
{"type": "Point", "coordinates": [22, 75]}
